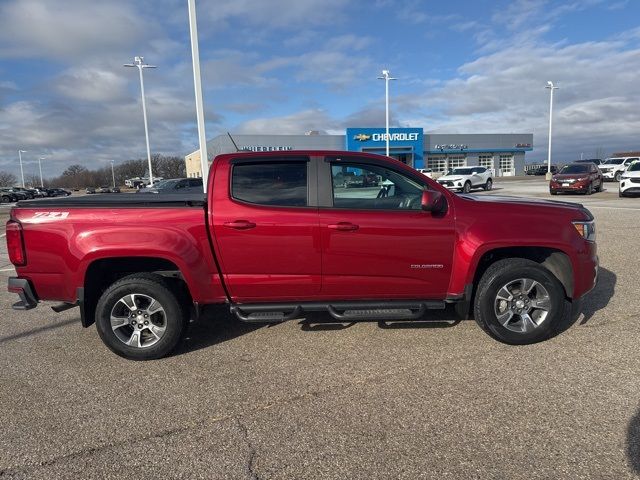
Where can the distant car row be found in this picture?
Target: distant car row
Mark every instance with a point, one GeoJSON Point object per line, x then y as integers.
{"type": "Point", "coordinates": [15, 194]}
{"type": "Point", "coordinates": [105, 189]}
{"type": "Point", "coordinates": [588, 177]}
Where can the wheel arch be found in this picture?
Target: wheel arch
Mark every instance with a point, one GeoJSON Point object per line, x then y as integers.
{"type": "Point", "coordinates": [102, 272]}
{"type": "Point", "coordinates": [553, 259]}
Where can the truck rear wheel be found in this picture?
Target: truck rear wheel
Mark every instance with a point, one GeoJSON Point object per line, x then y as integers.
{"type": "Point", "coordinates": [519, 302]}
{"type": "Point", "coordinates": [140, 318]}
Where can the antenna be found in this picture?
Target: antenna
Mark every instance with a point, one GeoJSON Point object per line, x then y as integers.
{"type": "Point", "coordinates": [234, 142]}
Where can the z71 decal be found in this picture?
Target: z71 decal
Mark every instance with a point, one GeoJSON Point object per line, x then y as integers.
{"type": "Point", "coordinates": [50, 215]}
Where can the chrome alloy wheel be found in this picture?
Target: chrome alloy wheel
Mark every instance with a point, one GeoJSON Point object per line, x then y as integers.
{"type": "Point", "coordinates": [138, 320]}
{"type": "Point", "coordinates": [522, 305]}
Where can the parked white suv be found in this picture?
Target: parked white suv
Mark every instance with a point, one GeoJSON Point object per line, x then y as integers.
{"type": "Point", "coordinates": [612, 168]}
{"type": "Point", "coordinates": [630, 180]}
{"type": "Point", "coordinates": [465, 178]}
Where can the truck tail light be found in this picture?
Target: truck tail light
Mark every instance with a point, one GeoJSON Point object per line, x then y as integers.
{"type": "Point", "coordinates": [15, 244]}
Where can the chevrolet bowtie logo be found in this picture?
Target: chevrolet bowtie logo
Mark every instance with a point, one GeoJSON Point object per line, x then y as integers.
{"type": "Point", "coordinates": [362, 137]}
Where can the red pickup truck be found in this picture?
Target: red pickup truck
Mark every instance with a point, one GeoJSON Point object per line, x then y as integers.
{"type": "Point", "coordinates": [282, 234]}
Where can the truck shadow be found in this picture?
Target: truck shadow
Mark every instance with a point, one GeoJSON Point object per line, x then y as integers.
{"type": "Point", "coordinates": [217, 325]}
{"type": "Point", "coordinates": [633, 443]}
{"type": "Point", "coordinates": [598, 298]}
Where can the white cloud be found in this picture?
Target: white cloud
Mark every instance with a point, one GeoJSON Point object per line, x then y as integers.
{"type": "Point", "coordinates": [66, 28]}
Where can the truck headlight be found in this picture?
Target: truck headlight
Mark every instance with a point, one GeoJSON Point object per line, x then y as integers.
{"type": "Point", "coordinates": [587, 230]}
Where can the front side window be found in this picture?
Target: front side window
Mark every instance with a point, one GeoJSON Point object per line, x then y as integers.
{"type": "Point", "coordinates": [358, 186]}
{"type": "Point", "coordinates": [271, 183]}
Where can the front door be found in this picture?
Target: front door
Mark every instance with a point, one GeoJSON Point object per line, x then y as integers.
{"type": "Point", "coordinates": [377, 241]}
{"type": "Point", "coordinates": [266, 229]}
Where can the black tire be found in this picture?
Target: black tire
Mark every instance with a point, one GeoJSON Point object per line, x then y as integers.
{"type": "Point", "coordinates": [589, 189]}
{"type": "Point", "coordinates": [146, 284]}
{"type": "Point", "coordinates": [5, 199]}
{"type": "Point", "coordinates": [467, 187]}
{"type": "Point", "coordinates": [501, 273]}
{"type": "Point", "coordinates": [601, 186]}
{"type": "Point", "coordinates": [617, 176]}
{"type": "Point", "coordinates": [620, 194]}
{"type": "Point", "coordinates": [489, 185]}
{"type": "Point", "coordinates": [553, 192]}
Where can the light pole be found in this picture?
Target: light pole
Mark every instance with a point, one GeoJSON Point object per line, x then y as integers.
{"type": "Point", "coordinates": [197, 85]}
{"type": "Point", "coordinates": [551, 88]}
{"type": "Point", "coordinates": [385, 76]}
{"type": "Point", "coordinates": [40, 168]}
{"type": "Point", "coordinates": [20, 152]}
{"type": "Point", "coordinates": [113, 175]}
{"type": "Point", "coordinates": [139, 62]}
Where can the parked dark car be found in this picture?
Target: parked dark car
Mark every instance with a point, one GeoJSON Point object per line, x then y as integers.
{"type": "Point", "coordinates": [542, 170]}
{"type": "Point", "coordinates": [58, 192]}
{"type": "Point", "coordinates": [115, 189]}
{"type": "Point", "coordinates": [175, 185]}
{"type": "Point", "coordinates": [19, 194]}
{"type": "Point", "coordinates": [7, 196]}
{"type": "Point", "coordinates": [103, 189]}
{"type": "Point", "coordinates": [37, 192]}
{"type": "Point", "coordinates": [577, 177]}
{"type": "Point", "coordinates": [90, 190]}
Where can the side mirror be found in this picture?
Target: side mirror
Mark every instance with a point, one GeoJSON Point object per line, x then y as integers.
{"type": "Point", "coordinates": [432, 201]}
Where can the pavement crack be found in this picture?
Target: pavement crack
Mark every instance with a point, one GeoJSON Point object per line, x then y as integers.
{"type": "Point", "coordinates": [251, 473]}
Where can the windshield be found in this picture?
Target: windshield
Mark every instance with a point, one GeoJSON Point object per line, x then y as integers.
{"type": "Point", "coordinates": [634, 167]}
{"type": "Point", "coordinates": [575, 169]}
{"type": "Point", "coordinates": [613, 161]}
{"type": "Point", "coordinates": [461, 171]}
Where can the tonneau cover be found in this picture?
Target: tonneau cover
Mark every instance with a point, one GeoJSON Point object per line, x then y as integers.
{"type": "Point", "coordinates": [119, 200]}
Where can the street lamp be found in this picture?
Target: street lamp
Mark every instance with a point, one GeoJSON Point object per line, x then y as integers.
{"type": "Point", "coordinates": [139, 62]}
{"type": "Point", "coordinates": [385, 76]}
{"type": "Point", "coordinates": [113, 175]}
{"type": "Point", "coordinates": [20, 152]}
{"type": "Point", "coordinates": [197, 85]}
{"type": "Point", "coordinates": [40, 168]}
{"type": "Point", "coordinates": [551, 88]}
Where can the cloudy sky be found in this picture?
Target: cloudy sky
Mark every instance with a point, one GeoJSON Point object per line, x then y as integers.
{"type": "Point", "coordinates": [289, 66]}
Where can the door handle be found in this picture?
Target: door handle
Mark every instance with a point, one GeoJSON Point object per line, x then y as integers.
{"type": "Point", "coordinates": [343, 226]}
{"type": "Point", "coordinates": [240, 225]}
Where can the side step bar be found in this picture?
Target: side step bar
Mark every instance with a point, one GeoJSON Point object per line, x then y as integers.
{"type": "Point", "coordinates": [341, 311]}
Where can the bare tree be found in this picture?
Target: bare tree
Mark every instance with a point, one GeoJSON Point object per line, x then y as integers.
{"type": "Point", "coordinates": [7, 179]}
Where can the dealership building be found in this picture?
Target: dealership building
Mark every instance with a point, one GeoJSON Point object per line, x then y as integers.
{"type": "Point", "coordinates": [503, 153]}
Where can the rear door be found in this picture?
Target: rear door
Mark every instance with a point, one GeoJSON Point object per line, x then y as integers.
{"type": "Point", "coordinates": [377, 241]}
{"type": "Point", "coordinates": [265, 224]}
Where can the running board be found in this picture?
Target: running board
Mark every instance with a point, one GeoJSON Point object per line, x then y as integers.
{"type": "Point", "coordinates": [341, 311]}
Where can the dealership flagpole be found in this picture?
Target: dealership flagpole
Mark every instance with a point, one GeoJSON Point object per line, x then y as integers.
{"type": "Point", "coordinates": [385, 76]}
{"type": "Point", "coordinates": [197, 84]}
{"type": "Point", "coordinates": [551, 87]}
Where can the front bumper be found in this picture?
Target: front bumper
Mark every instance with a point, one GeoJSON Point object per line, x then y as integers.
{"type": "Point", "coordinates": [452, 185]}
{"type": "Point", "coordinates": [609, 174]}
{"type": "Point", "coordinates": [571, 187]}
{"type": "Point", "coordinates": [22, 287]}
{"type": "Point", "coordinates": [628, 185]}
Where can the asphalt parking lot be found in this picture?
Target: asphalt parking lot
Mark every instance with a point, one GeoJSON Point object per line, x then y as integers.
{"type": "Point", "coordinates": [311, 399]}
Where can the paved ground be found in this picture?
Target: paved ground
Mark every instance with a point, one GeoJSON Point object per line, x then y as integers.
{"type": "Point", "coordinates": [316, 400]}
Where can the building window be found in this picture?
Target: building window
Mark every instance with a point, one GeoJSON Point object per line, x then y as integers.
{"type": "Point", "coordinates": [506, 165]}
{"type": "Point", "coordinates": [437, 163]}
{"type": "Point", "coordinates": [456, 161]}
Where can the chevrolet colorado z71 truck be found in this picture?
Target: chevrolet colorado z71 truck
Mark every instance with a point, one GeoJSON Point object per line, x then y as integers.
{"type": "Point", "coordinates": [282, 234]}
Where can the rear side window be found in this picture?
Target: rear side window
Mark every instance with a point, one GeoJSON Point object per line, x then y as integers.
{"type": "Point", "coordinates": [281, 184]}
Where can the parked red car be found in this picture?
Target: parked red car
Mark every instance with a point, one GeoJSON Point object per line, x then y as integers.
{"type": "Point", "coordinates": [577, 177]}
{"type": "Point", "coordinates": [279, 235]}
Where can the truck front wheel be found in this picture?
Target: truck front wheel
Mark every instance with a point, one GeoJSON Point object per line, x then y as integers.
{"type": "Point", "coordinates": [519, 302]}
{"type": "Point", "coordinates": [140, 318]}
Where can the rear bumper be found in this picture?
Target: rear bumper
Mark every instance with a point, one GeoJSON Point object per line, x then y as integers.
{"type": "Point", "coordinates": [22, 287]}
{"type": "Point", "coordinates": [576, 187]}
